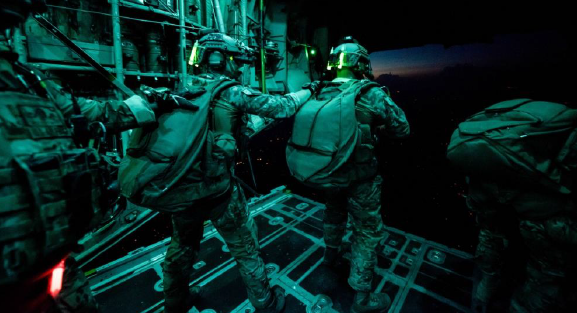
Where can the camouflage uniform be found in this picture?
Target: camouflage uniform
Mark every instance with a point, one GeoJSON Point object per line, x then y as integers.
{"type": "Point", "coordinates": [25, 253]}
{"type": "Point", "coordinates": [229, 212]}
{"type": "Point", "coordinates": [362, 199]}
{"type": "Point", "coordinates": [116, 115]}
{"type": "Point", "coordinates": [505, 213]}
{"type": "Point", "coordinates": [76, 295]}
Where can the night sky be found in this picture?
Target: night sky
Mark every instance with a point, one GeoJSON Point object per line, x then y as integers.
{"type": "Point", "coordinates": [438, 88]}
{"type": "Point", "coordinates": [505, 50]}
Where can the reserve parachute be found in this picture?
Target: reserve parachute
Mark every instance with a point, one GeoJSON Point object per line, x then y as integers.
{"type": "Point", "coordinates": [326, 134]}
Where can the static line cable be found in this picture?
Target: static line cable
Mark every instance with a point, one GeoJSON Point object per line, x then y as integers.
{"type": "Point", "coordinates": [167, 7]}
{"type": "Point", "coordinates": [124, 17]}
{"type": "Point", "coordinates": [251, 168]}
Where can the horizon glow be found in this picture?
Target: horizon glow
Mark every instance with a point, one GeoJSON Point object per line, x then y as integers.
{"type": "Point", "coordinates": [506, 50]}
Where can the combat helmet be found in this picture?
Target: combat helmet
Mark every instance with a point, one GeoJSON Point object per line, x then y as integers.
{"type": "Point", "coordinates": [215, 50]}
{"type": "Point", "coordinates": [14, 12]}
{"type": "Point", "coordinates": [350, 54]}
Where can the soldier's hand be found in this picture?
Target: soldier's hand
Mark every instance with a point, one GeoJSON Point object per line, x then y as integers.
{"type": "Point", "coordinates": [166, 101]}
{"type": "Point", "coordinates": [183, 103]}
{"type": "Point", "coordinates": [191, 94]}
{"type": "Point", "coordinates": [314, 87]}
{"type": "Point", "coordinates": [155, 96]}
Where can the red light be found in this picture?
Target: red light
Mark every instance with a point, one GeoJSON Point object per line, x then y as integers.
{"type": "Point", "coordinates": [56, 279]}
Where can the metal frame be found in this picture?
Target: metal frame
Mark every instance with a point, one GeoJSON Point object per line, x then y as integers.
{"type": "Point", "coordinates": [142, 260]}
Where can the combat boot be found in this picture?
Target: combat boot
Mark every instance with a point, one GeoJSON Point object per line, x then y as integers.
{"type": "Point", "coordinates": [194, 294]}
{"type": "Point", "coordinates": [330, 256]}
{"type": "Point", "coordinates": [366, 302]}
{"type": "Point", "coordinates": [177, 305]}
{"type": "Point", "coordinates": [277, 304]}
{"type": "Point", "coordinates": [486, 291]}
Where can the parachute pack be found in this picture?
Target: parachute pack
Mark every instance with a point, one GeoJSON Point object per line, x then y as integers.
{"type": "Point", "coordinates": [181, 160]}
{"type": "Point", "coordinates": [325, 135]}
{"type": "Point", "coordinates": [520, 141]}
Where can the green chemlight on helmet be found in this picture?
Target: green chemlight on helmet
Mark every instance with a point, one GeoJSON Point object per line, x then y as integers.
{"type": "Point", "coordinates": [193, 56]}
{"type": "Point", "coordinates": [329, 67]}
{"type": "Point", "coordinates": [349, 54]}
{"type": "Point", "coordinates": [341, 60]}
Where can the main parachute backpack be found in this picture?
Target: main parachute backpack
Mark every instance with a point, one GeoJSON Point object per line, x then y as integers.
{"type": "Point", "coordinates": [325, 135]}
{"type": "Point", "coordinates": [182, 147]}
{"type": "Point", "coordinates": [522, 140]}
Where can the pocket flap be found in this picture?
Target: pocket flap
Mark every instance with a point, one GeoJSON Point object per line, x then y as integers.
{"type": "Point", "coordinates": [506, 105]}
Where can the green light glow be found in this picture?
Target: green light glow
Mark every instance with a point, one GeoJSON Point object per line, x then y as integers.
{"type": "Point", "coordinates": [313, 52]}
{"type": "Point", "coordinates": [341, 60]}
{"type": "Point", "coordinates": [192, 58]}
{"type": "Point", "coordinates": [329, 67]}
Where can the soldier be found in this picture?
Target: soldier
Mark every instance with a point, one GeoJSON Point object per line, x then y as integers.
{"type": "Point", "coordinates": [49, 185]}
{"type": "Point", "coordinates": [195, 189]}
{"type": "Point", "coordinates": [356, 108]}
{"type": "Point", "coordinates": [520, 159]}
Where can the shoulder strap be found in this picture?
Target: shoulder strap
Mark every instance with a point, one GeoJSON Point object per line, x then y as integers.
{"type": "Point", "coordinates": [366, 84]}
{"type": "Point", "coordinates": [359, 86]}
{"type": "Point", "coordinates": [221, 86]}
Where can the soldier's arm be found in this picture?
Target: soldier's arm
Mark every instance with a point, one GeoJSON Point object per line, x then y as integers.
{"type": "Point", "coordinates": [116, 115]}
{"type": "Point", "coordinates": [274, 106]}
{"type": "Point", "coordinates": [388, 115]}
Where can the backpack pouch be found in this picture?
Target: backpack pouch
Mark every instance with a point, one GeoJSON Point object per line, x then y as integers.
{"type": "Point", "coordinates": [304, 170]}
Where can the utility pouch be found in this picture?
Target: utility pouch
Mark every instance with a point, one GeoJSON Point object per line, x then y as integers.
{"type": "Point", "coordinates": [364, 150]}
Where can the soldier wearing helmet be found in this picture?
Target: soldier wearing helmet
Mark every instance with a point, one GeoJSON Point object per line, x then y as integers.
{"type": "Point", "coordinates": [376, 113]}
{"type": "Point", "coordinates": [350, 56]}
{"type": "Point", "coordinates": [220, 54]}
{"type": "Point", "coordinates": [216, 59]}
{"type": "Point", "coordinates": [49, 183]}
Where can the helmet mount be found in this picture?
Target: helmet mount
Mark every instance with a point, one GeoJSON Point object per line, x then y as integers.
{"type": "Point", "coordinates": [218, 53]}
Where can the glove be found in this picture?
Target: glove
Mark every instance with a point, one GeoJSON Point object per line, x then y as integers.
{"type": "Point", "coordinates": [179, 102]}
{"type": "Point", "coordinates": [165, 101]}
{"type": "Point", "coordinates": [314, 87]}
{"type": "Point", "coordinates": [191, 94]}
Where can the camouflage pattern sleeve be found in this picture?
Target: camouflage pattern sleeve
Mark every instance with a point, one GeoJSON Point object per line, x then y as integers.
{"type": "Point", "coordinates": [386, 113]}
{"type": "Point", "coordinates": [252, 101]}
{"type": "Point", "coordinates": [116, 115]}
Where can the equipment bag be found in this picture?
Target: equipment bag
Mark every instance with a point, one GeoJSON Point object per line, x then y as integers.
{"type": "Point", "coordinates": [325, 135]}
{"type": "Point", "coordinates": [48, 186]}
{"type": "Point", "coordinates": [519, 141]}
{"type": "Point", "coordinates": [181, 160]}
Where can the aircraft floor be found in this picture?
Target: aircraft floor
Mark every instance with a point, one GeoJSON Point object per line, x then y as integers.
{"type": "Point", "coordinates": [418, 275]}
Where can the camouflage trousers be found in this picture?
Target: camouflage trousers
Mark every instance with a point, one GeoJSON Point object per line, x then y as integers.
{"type": "Point", "coordinates": [549, 243]}
{"type": "Point", "coordinates": [75, 296]}
{"type": "Point", "coordinates": [232, 221]}
{"type": "Point", "coordinates": [362, 201]}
